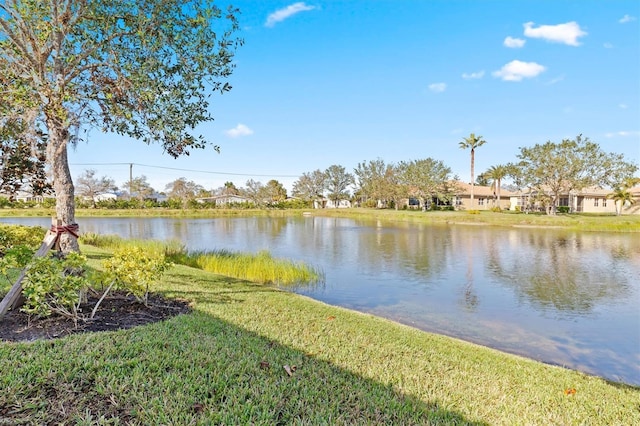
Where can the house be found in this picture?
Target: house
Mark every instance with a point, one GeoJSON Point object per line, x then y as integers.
{"type": "Point", "coordinates": [223, 200]}
{"type": "Point", "coordinates": [484, 197]}
{"type": "Point", "coordinates": [587, 200]}
{"type": "Point", "coordinates": [28, 197]}
{"type": "Point", "coordinates": [325, 203]}
{"type": "Point", "coordinates": [107, 196]}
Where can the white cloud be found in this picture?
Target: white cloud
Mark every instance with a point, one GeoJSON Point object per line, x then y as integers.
{"type": "Point", "coordinates": [473, 75]}
{"type": "Point", "coordinates": [514, 42]}
{"type": "Point", "coordinates": [438, 87]}
{"type": "Point", "coordinates": [239, 130]}
{"type": "Point", "coordinates": [517, 70]}
{"type": "Point", "coordinates": [287, 12]}
{"type": "Point", "coordinates": [556, 80]}
{"type": "Point", "coordinates": [608, 46]}
{"type": "Point", "coordinates": [623, 133]}
{"type": "Point", "coordinates": [627, 18]}
{"type": "Point", "coordinates": [562, 33]}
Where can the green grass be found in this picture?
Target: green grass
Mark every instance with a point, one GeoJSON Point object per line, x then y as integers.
{"type": "Point", "coordinates": [224, 364]}
{"type": "Point", "coordinates": [577, 222]}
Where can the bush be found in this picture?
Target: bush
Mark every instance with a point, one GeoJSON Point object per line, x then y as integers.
{"type": "Point", "coordinates": [473, 211]}
{"type": "Point", "coordinates": [562, 209]}
{"type": "Point", "coordinates": [53, 285]}
{"type": "Point", "coordinates": [133, 269]}
{"type": "Point", "coordinates": [14, 235]}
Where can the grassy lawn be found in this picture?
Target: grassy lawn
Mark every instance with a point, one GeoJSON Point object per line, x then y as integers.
{"type": "Point", "coordinates": [225, 364]}
{"type": "Point", "coordinates": [578, 222]}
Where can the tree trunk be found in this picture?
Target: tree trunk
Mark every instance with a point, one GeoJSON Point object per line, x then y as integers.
{"type": "Point", "coordinates": [472, 183]}
{"type": "Point", "coordinates": [62, 182]}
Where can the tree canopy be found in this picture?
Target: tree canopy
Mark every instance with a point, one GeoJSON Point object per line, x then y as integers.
{"type": "Point", "coordinates": [426, 179]}
{"type": "Point", "coordinates": [310, 186]}
{"type": "Point", "coordinates": [141, 68]}
{"type": "Point", "coordinates": [557, 168]}
{"type": "Point", "coordinates": [90, 186]}
{"type": "Point", "coordinates": [337, 182]}
{"type": "Point", "coordinates": [22, 159]}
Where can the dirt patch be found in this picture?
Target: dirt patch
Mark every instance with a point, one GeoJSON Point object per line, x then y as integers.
{"type": "Point", "coordinates": [117, 312]}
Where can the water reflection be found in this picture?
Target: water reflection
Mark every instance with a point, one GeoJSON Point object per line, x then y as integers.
{"type": "Point", "coordinates": [560, 297]}
{"type": "Point", "coordinates": [564, 274]}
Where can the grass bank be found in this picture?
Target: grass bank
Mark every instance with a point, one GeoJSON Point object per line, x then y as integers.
{"type": "Point", "coordinates": [225, 364]}
{"type": "Point", "coordinates": [577, 222]}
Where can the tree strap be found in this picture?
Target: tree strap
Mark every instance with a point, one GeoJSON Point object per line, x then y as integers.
{"type": "Point", "coordinates": [69, 229]}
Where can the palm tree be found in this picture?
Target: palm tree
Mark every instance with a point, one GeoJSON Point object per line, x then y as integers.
{"type": "Point", "coordinates": [496, 174]}
{"type": "Point", "coordinates": [621, 195]}
{"type": "Point", "coordinates": [472, 142]}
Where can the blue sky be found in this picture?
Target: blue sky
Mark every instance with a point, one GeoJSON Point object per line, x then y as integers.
{"type": "Point", "coordinates": [342, 82]}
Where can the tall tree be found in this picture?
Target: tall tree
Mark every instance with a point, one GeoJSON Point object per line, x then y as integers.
{"type": "Point", "coordinates": [183, 190]}
{"type": "Point", "coordinates": [142, 68]}
{"type": "Point", "coordinates": [495, 174]}
{"type": "Point", "coordinates": [275, 192]}
{"type": "Point", "coordinates": [471, 143]}
{"type": "Point", "coordinates": [377, 180]}
{"type": "Point", "coordinates": [254, 191]}
{"type": "Point", "coordinates": [425, 179]}
{"type": "Point", "coordinates": [90, 186]}
{"type": "Point", "coordinates": [140, 188]}
{"type": "Point", "coordinates": [310, 186]}
{"type": "Point", "coordinates": [228, 188]}
{"type": "Point", "coordinates": [337, 183]}
{"type": "Point", "coordinates": [559, 168]}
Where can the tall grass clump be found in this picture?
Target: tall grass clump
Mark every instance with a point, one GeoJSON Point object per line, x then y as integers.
{"type": "Point", "coordinates": [259, 268]}
{"type": "Point", "coordinates": [111, 242]}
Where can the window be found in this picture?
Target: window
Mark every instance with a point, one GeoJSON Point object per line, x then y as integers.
{"type": "Point", "coordinates": [564, 202]}
{"type": "Point", "coordinates": [481, 201]}
{"type": "Point", "coordinates": [595, 202]}
{"type": "Point", "coordinates": [604, 202]}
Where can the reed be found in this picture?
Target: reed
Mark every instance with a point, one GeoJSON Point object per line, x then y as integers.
{"type": "Point", "coordinates": [261, 267]}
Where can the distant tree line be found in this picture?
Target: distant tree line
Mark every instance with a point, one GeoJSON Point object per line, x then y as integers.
{"type": "Point", "coordinates": [549, 169]}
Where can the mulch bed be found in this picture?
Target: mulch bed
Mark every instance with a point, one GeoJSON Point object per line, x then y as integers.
{"type": "Point", "coordinates": [117, 311]}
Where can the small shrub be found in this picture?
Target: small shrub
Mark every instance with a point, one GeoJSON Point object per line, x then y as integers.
{"type": "Point", "coordinates": [473, 211]}
{"type": "Point", "coordinates": [53, 285]}
{"type": "Point", "coordinates": [562, 209]}
{"type": "Point", "coordinates": [14, 258]}
{"type": "Point", "coordinates": [496, 209]}
{"type": "Point", "coordinates": [14, 235]}
{"type": "Point", "coordinates": [134, 269]}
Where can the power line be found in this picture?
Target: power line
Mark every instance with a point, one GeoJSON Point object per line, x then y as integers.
{"type": "Point", "coordinates": [183, 170]}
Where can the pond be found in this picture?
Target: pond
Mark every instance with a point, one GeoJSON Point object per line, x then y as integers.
{"type": "Point", "coordinates": [560, 297]}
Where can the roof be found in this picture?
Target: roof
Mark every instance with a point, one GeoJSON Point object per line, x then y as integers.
{"type": "Point", "coordinates": [481, 190]}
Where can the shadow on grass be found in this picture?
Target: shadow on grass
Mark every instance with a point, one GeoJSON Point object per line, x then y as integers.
{"type": "Point", "coordinates": [196, 369]}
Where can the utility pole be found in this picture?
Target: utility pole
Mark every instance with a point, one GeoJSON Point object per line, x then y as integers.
{"type": "Point", "coordinates": [130, 179]}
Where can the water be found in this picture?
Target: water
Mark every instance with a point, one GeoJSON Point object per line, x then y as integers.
{"type": "Point", "coordinates": [559, 297]}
